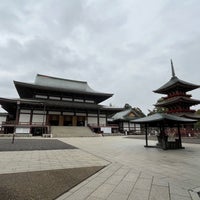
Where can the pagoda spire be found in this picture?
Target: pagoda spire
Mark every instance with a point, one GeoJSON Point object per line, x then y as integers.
{"type": "Point", "coordinates": [172, 66]}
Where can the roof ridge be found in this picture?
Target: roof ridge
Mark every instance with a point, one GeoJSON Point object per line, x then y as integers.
{"type": "Point", "coordinates": [57, 78]}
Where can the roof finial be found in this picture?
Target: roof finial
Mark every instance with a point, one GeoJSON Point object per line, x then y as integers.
{"type": "Point", "coordinates": [172, 66]}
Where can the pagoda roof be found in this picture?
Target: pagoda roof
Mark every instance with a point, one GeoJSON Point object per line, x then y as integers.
{"type": "Point", "coordinates": [178, 99]}
{"type": "Point", "coordinates": [175, 82]}
{"type": "Point", "coordinates": [58, 86]}
{"type": "Point", "coordinates": [189, 115]}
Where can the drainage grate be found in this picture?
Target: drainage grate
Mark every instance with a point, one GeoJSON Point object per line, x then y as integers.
{"type": "Point", "coordinates": [195, 193]}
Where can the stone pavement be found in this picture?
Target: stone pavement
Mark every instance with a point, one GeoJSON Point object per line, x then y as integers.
{"type": "Point", "coordinates": [132, 173]}
{"type": "Point", "coordinates": [38, 160]}
{"type": "Point", "coordinates": [138, 173]}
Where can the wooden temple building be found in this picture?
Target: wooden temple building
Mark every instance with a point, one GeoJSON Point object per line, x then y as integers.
{"type": "Point", "coordinates": [124, 120]}
{"type": "Point", "coordinates": [55, 102]}
{"type": "Point", "coordinates": [178, 101]}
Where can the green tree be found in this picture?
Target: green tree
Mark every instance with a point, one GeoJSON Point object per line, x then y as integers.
{"type": "Point", "coordinates": [158, 109]}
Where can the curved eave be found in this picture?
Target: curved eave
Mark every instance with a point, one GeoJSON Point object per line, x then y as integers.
{"type": "Point", "coordinates": [10, 105]}
{"type": "Point", "coordinates": [163, 117]}
{"type": "Point", "coordinates": [27, 90]}
{"type": "Point", "coordinates": [176, 100]}
{"type": "Point", "coordinates": [190, 116]}
{"type": "Point", "coordinates": [175, 82]}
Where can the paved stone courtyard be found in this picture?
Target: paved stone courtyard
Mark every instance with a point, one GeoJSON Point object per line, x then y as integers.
{"type": "Point", "coordinates": [138, 173]}
{"type": "Point", "coordinates": [132, 173]}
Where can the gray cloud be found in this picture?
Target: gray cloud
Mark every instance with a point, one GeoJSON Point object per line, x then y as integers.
{"type": "Point", "coordinates": [122, 47]}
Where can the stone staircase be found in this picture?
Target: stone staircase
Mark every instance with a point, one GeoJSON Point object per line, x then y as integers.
{"type": "Point", "coordinates": [71, 131]}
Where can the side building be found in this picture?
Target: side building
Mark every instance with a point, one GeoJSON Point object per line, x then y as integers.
{"type": "Point", "coordinates": [3, 118]}
{"type": "Point", "coordinates": [55, 102]}
{"type": "Point", "coordinates": [123, 119]}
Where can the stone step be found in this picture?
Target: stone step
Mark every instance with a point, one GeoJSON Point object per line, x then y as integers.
{"type": "Point", "coordinates": [71, 131]}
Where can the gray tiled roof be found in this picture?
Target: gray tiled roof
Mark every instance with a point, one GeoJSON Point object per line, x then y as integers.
{"type": "Point", "coordinates": [124, 114]}
{"type": "Point", "coordinates": [47, 85]}
{"type": "Point", "coordinates": [66, 84]}
{"type": "Point", "coordinates": [173, 100]}
{"type": "Point", "coordinates": [157, 117]}
{"type": "Point", "coordinates": [173, 82]}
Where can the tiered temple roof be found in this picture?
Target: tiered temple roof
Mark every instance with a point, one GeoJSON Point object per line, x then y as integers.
{"type": "Point", "coordinates": [177, 100]}
{"type": "Point", "coordinates": [59, 87]}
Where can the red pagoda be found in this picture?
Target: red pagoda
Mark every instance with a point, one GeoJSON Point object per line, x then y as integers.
{"type": "Point", "coordinates": [177, 101]}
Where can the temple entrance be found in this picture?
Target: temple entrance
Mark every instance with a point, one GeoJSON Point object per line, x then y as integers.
{"type": "Point", "coordinates": [53, 120]}
{"type": "Point", "coordinates": [78, 121]}
{"type": "Point", "coordinates": [65, 120]}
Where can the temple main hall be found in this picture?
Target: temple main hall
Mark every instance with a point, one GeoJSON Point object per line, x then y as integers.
{"type": "Point", "coordinates": [54, 105]}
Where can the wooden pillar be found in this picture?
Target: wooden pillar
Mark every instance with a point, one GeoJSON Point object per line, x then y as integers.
{"type": "Point", "coordinates": [146, 135]}
{"type": "Point", "coordinates": [98, 112]}
{"type": "Point", "coordinates": [61, 120]}
{"type": "Point", "coordinates": [16, 121]}
{"type": "Point", "coordinates": [74, 121]}
{"type": "Point", "coordinates": [179, 136]}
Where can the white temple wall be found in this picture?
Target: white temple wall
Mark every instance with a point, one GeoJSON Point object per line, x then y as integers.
{"type": "Point", "coordinates": [22, 130]}
{"type": "Point", "coordinates": [102, 121]}
{"type": "Point", "coordinates": [38, 118]}
{"type": "Point", "coordinates": [24, 118]}
{"type": "Point", "coordinates": [2, 119]}
{"type": "Point", "coordinates": [92, 120]}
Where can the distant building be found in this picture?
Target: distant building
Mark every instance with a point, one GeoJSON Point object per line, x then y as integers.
{"type": "Point", "coordinates": [54, 102]}
{"type": "Point", "coordinates": [3, 118]}
{"type": "Point", "coordinates": [124, 118]}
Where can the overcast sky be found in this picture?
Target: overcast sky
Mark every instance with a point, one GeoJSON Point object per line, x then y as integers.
{"type": "Point", "coordinates": [120, 47]}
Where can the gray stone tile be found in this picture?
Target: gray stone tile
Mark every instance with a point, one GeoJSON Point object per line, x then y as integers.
{"type": "Point", "coordinates": [143, 183]}
{"type": "Point", "coordinates": [95, 183]}
{"type": "Point", "coordinates": [160, 182]}
{"type": "Point", "coordinates": [131, 177]}
{"type": "Point", "coordinates": [114, 179]}
{"type": "Point", "coordinates": [124, 187]}
{"type": "Point", "coordinates": [159, 193]}
{"type": "Point", "coordinates": [103, 191]}
{"type": "Point", "coordinates": [94, 198]}
{"type": "Point", "coordinates": [179, 197]}
{"type": "Point", "coordinates": [139, 194]}
{"type": "Point", "coordinates": [117, 196]}
{"type": "Point", "coordinates": [81, 194]}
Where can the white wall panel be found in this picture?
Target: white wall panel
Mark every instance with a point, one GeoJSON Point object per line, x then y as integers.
{"type": "Point", "coordinates": [38, 119]}
{"type": "Point", "coordinates": [132, 125]}
{"type": "Point", "coordinates": [125, 124]}
{"type": "Point", "coordinates": [24, 118]}
{"type": "Point", "coordinates": [22, 130]}
{"type": "Point", "coordinates": [92, 120]}
{"type": "Point", "coordinates": [106, 130]}
{"type": "Point", "coordinates": [2, 119]}
{"type": "Point", "coordinates": [102, 121]}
